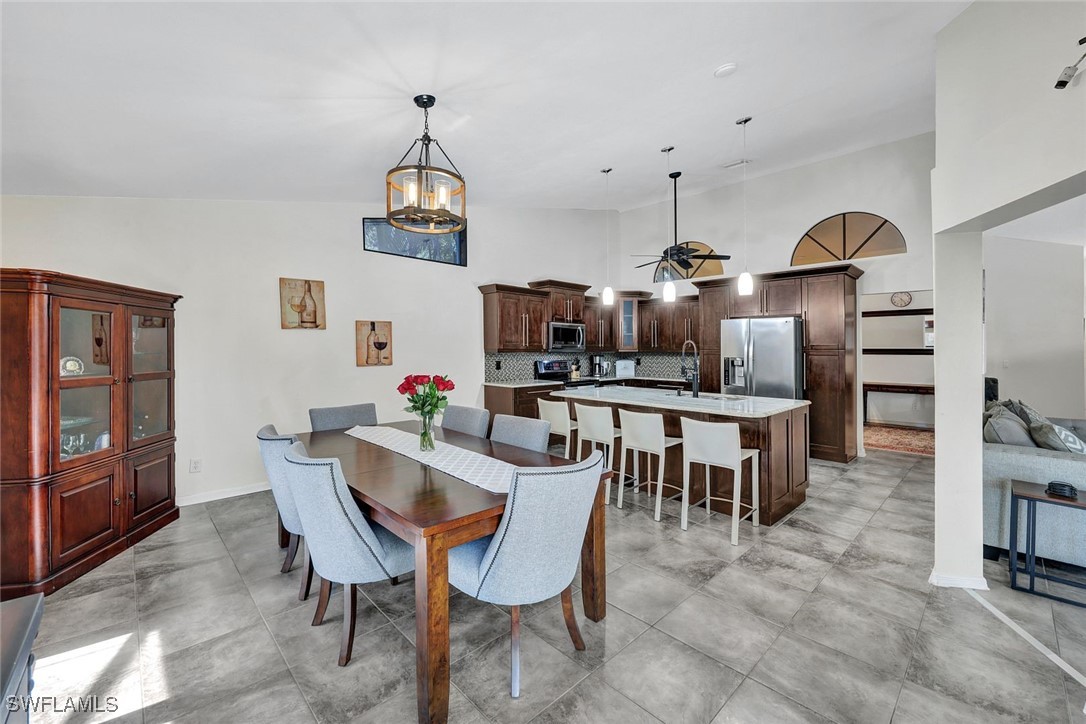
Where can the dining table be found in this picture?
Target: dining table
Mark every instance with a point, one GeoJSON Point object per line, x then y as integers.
{"type": "Point", "coordinates": [434, 512]}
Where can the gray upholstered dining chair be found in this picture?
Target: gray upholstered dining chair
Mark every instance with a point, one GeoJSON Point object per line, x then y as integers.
{"type": "Point", "coordinates": [526, 432]}
{"type": "Point", "coordinates": [533, 555]}
{"type": "Point", "coordinates": [273, 447]}
{"type": "Point", "coordinates": [468, 420]}
{"type": "Point", "coordinates": [343, 545]}
{"type": "Point", "coordinates": [337, 418]}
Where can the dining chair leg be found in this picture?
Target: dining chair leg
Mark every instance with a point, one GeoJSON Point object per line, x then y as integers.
{"type": "Point", "coordinates": [622, 476]}
{"type": "Point", "coordinates": [659, 482]}
{"type": "Point", "coordinates": [307, 577]}
{"type": "Point", "coordinates": [514, 663]}
{"type": "Point", "coordinates": [571, 618]}
{"type": "Point", "coordinates": [292, 551]}
{"type": "Point", "coordinates": [322, 601]}
{"type": "Point", "coordinates": [737, 493]}
{"type": "Point", "coordinates": [683, 518]}
{"type": "Point", "coordinates": [350, 607]}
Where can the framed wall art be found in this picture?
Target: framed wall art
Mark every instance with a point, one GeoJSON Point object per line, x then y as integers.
{"type": "Point", "coordinates": [373, 343]}
{"type": "Point", "coordinates": [301, 304]}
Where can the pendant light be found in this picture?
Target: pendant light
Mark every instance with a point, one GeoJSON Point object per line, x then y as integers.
{"type": "Point", "coordinates": [422, 197]}
{"type": "Point", "coordinates": [608, 295]}
{"type": "Point", "coordinates": [745, 287]}
{"type": "Point", "coordinates": [669, 286]}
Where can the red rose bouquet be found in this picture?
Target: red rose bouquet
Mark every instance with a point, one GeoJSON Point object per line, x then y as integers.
{"type": "Point", "coordinates": [426, 398]}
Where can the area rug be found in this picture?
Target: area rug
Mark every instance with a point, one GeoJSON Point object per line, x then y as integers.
{"type": "Point", "coordinates": [899, 439]}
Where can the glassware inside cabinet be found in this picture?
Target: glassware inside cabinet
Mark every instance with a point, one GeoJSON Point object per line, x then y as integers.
{"type": "Point", "coordinates": [84, 420]}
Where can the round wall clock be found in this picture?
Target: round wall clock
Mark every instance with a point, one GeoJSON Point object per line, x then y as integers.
{"type": "Point", "coordinates": [901, 299]}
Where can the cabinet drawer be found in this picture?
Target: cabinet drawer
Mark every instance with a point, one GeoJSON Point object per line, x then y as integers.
{"type": "Point", "coordinates": [149, 484]}
{"type": "Point", "coordinates": [84, 513]}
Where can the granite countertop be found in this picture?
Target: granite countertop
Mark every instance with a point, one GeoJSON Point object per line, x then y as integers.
{"type": "Point", "coordinates": [608, 378]}
{"type": "Point", "coordinates": [708, 403]}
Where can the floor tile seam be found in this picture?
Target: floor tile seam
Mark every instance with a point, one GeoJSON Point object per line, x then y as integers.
{"type": "Point", "coordinates": [770, 686]}
{"type": "Point", "coordinates": [1055, 658]}
{"type": "Point", "coordinates": [466, 698]}
{"type": "Point", "coordinates": [877, 614]}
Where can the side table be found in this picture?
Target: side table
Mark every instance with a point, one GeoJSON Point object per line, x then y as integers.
{"type": "Point", "coordinates": [1032, 494]}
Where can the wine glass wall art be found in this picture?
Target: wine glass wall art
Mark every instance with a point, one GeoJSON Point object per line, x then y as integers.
{"type": "Point", "coordinates": [301, 304]}
{"type": "Point", "coordinates": [373, 343]}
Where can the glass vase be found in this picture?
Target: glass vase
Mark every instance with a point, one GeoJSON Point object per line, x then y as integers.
{"type": "Point", "coordinates": [426, 432]}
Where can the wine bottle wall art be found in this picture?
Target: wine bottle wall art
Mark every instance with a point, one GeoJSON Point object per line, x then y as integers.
{"type": "Point", "coordinates": [301, 304]}
{"type": "Point", "coordinates": [373, 343]}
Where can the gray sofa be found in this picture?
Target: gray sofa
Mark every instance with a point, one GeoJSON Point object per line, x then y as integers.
{"type": "Point", "coordinates": [1061, 532]}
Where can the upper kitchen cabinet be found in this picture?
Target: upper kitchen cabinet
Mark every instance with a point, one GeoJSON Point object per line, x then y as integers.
{"type": "Point", "coordinates": [599, 324]}
{"type": "Point", "coordinates": [713, 306]}
{"type": "Point", "coordinates": [628, 319]}
{"type": "Point", "coordinates": [771, 298]}
{"type": "Point", "coordinates": [514, 318]}
{"type": "Point", "coordinates": [87, 455]}
{"type": "Point", "coordinates": [566, 299]}
{"type": "Point", "coordinates": [665, 326]}
{"type": "Point", "coordinates": [686, 322]}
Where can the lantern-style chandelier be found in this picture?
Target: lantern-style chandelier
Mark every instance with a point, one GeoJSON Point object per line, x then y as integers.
{"type": "Point", "coordinates": [422, 197]}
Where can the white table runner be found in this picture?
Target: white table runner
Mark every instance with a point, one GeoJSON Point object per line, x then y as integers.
{"type": "Point", "coordinates": [480, 470]}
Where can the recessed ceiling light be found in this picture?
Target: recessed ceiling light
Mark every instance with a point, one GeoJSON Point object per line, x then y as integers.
{"type": "Point", "coordinates": [725, 70]}
{"type": "Point", "coordinates": [736, 163]}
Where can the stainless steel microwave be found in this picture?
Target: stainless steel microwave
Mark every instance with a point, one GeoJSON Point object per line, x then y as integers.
{"type": "Point", "coordinates": [565, 337]}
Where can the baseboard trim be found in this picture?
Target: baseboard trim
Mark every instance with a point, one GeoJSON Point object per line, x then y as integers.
{"type": "Point", "coordinates": [221, 494]}
{"type": "Point", "coordinates": [977, 583]}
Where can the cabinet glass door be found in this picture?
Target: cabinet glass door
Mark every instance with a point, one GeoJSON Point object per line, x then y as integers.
{"type": "Point", "coordinates": [85, 348]}
{"type": "Point", "coordinates": [628, 324]}
{"type": "Point", "coordinates": [150, 376]}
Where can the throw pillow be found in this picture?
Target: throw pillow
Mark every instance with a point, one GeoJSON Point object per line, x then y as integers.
{"type": "Point", "coordinates": [1027, 413]}
{"type": "Point", "coordinates": [1055, 437]}
{"type": "Point", "coordinates": [1006, 428]}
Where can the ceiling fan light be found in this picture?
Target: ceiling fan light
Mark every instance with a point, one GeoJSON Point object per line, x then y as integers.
{"type": "Point", "coordinates": [608, 296]}
{"type": "Point", "coordinates": [745, 286]}
{"type": "Point", "coordinates": [669, 291]}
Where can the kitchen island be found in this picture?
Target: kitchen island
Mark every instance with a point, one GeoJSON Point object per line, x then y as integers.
{"type": "Point", "coordinates": [776, 427]}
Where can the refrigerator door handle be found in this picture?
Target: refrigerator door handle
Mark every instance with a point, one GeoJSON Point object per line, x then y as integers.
{"type": "Point", "coordinates": [750, 361]}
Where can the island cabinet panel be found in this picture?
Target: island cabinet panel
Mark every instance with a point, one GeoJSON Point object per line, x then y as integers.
{"type": "Point", "coordinates": [519, 401]}
{"type": "Point", "coordinates": [88, 424]}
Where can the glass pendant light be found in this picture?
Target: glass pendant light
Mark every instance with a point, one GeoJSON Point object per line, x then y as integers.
{"type": "Point", "coordinates": [669, 291]}
{"type": "Point", "coordinates": [421, 197]}
{"type": "Point", "coordinates": [608, 294]}
{"type": "Point", "coordinates": [745, 287]}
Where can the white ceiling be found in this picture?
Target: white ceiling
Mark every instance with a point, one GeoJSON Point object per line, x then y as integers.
{"type": "Point", "coordinates": [1060, 224]}
{"type": "Point", "coordinates": [313, 101]}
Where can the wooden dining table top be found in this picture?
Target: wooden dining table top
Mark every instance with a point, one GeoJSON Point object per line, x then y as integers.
{"type": "Point", "coordinates": [421, 498]}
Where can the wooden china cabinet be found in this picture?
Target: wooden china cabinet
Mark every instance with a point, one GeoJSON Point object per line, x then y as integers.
{"type": "Point", "coordinates": [87, 452]}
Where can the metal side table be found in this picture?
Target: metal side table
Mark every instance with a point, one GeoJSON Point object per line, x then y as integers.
{"type": "Point", "coordinates": [1032, 494]}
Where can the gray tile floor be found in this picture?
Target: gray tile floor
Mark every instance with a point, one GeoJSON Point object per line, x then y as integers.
{"type": "Point", "coordinates": [825, 617]}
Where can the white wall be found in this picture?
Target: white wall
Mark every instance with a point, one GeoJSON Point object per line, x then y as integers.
{"type": "Point", "coordinates": [236, 369]}
{"type": "Point", "coordinates": [1034, 323]}
{"type": "Point", "coordinates": [892, 180]}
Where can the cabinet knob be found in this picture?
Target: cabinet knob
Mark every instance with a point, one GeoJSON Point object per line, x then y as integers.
{"type": "Point", "coordinates": [131, 379]}
{"type": "Point", "coordinates": [116, 380]}
{"type": "Point", "coordinates": [132, 494]}
{"type": "Point", "coordinates": [116, 501]}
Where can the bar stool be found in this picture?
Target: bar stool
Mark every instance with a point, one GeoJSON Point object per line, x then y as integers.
{"type": "Point", "coordinates": [557, 413]}
{"type": "Point", "coordinates": [597, 427]}
{"type": "Point", "coordinates": [716, 444]}
{"type": "Point", "coordinates": [644, 432]}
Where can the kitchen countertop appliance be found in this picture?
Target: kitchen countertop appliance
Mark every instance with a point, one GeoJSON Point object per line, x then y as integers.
{"type": "Point", "coordinates": [565, 337]}
{"type": "Point", "coordinates": [560, 370]}
{"type": "Point", "coordinates": [598, 366]}
{"type": "Point", "coordinates": [625, 368]}
{"type": "Point", "coordinates": [762, 357]}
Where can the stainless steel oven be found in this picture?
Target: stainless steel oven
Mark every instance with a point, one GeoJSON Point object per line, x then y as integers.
{"type": "Point", "coordinates": [565, 337]}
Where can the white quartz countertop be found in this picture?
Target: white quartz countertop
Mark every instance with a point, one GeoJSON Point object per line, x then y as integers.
{"type": "Point", "coordinates": [524, 383]}
{"type": "Point", "coordinates": [608, 379]}
{"type": "Point", "coordinates": [707, 403]}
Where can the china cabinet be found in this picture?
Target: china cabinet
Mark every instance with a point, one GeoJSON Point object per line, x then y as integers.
{"type": "Point", "coordinates": [87, 458]}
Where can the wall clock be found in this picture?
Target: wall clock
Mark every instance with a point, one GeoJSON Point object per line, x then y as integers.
{"type": "Point", "coordinates": [901, 299]}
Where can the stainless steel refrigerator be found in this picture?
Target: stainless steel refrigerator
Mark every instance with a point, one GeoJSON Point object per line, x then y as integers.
{"type": "Point", "coordinates": [762, 357]}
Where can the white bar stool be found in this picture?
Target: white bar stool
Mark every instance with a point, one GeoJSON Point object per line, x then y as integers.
{"type": "Point", "coordinates": [717, 444]}
{"type": "Point", "coordinates": [644, 432]}
{"type": "Point", "coordinates": [596, 425]}
{"type": "Point", "coordinates": [557, 414]}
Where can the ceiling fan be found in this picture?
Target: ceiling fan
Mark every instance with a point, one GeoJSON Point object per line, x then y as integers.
{"type": "Point", "coordinates": [685, 257]}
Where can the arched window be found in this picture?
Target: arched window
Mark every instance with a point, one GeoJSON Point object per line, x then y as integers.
{"type": "Point", "coordinates": [852, 235]}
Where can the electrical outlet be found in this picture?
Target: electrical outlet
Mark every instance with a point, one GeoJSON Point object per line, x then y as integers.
{"type": "Point", "coordinates": [497, 364]}
{"type": "Point", "coordinates": [196, 465]}
{"type": "Point", "coordinates": [637, 362]}
{"type": "Point", "coordinates": [1006, 364]}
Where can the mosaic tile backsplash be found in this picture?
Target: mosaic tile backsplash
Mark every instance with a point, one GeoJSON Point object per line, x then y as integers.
{"type": "Point", "coordinates": [521, 365]}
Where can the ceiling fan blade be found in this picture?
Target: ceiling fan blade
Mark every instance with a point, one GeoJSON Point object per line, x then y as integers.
{"type": "Point", "coordinates": [648, 263]}
{"type": "Point", "coordinates": [648, 256]}
{"type": "Point", "coordinates": [683, 263]}
{"type": "Point", "coordinates": [710, 256]}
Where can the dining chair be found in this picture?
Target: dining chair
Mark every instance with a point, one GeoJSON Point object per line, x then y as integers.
{"type": "Point", "coordinates": [343, 545]}
{"type": "Point", "coordinates": [525, 432]}
{"type": "Point", "coordinates": [338, 418]}
{"type": "Point", "coordinates": [468, 420]}
{"type": "Point", "coordinates": [557, 414]}
{"type": "Point", "coordinates": [273, 447]}
{"type": "Point", "coordinates": [534, 553]}
{"type": "Point", "coordinates": [596, 426]}
{"type": "Point", "coordinates": [716, 444]}
{"type": "Point", "coordinates": [643, 432]}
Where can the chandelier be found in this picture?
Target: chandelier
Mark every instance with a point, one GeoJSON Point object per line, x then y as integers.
{"type": "Point", "coordinates": [422, 197]}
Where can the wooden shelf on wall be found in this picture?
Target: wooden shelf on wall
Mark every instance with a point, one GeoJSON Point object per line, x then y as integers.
{"type": "Point", "coordinates": [900, 350]}
{"type": "Point", "coordinates": [898, 312]}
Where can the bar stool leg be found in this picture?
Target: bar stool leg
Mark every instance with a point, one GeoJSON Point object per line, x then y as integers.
{"type": "Point", "coordinates": [708, 492]}
{"type": "Point", "coordinates": [637, 473]}
{"type": "Point", "coordinates": [737, 492]}
{"type": "Point", "coordinates": [622, 476]}
{"type": "Point", "coordinates": [569, 439]}
{"type": "Point", "coordinates": [755, 485]}
{"type": "Point", "coordinates": [659, 482]}
{"type": "Point", "coordinates": [686, 493]}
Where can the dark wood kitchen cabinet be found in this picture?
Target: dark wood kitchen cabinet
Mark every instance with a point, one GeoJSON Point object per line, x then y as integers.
{"type": "Point", "coordinates": [627, 321]}
{"type": "Point", "coordinates": [87, 456]}
{"type": "Point", "coordinates": [566, 299]}
{"type": "Point", "coordinates": [771, 298]}
{"type": "Point", "coordinates": [519, 401]}
{"type": "Point", "coordinates": [713, 306]}
{"type": "Point", "coordinates": [655, 326]}
{"type": "Point", "coordinates": [599, 324]}
{"type": "Point", "coordinates": [686, 322]}
{"type": "Point", "coordinates": [514, 318]}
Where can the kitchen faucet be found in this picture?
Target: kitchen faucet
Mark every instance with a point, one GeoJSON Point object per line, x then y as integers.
{"type": "Point", "coordinates": [693, 373]}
